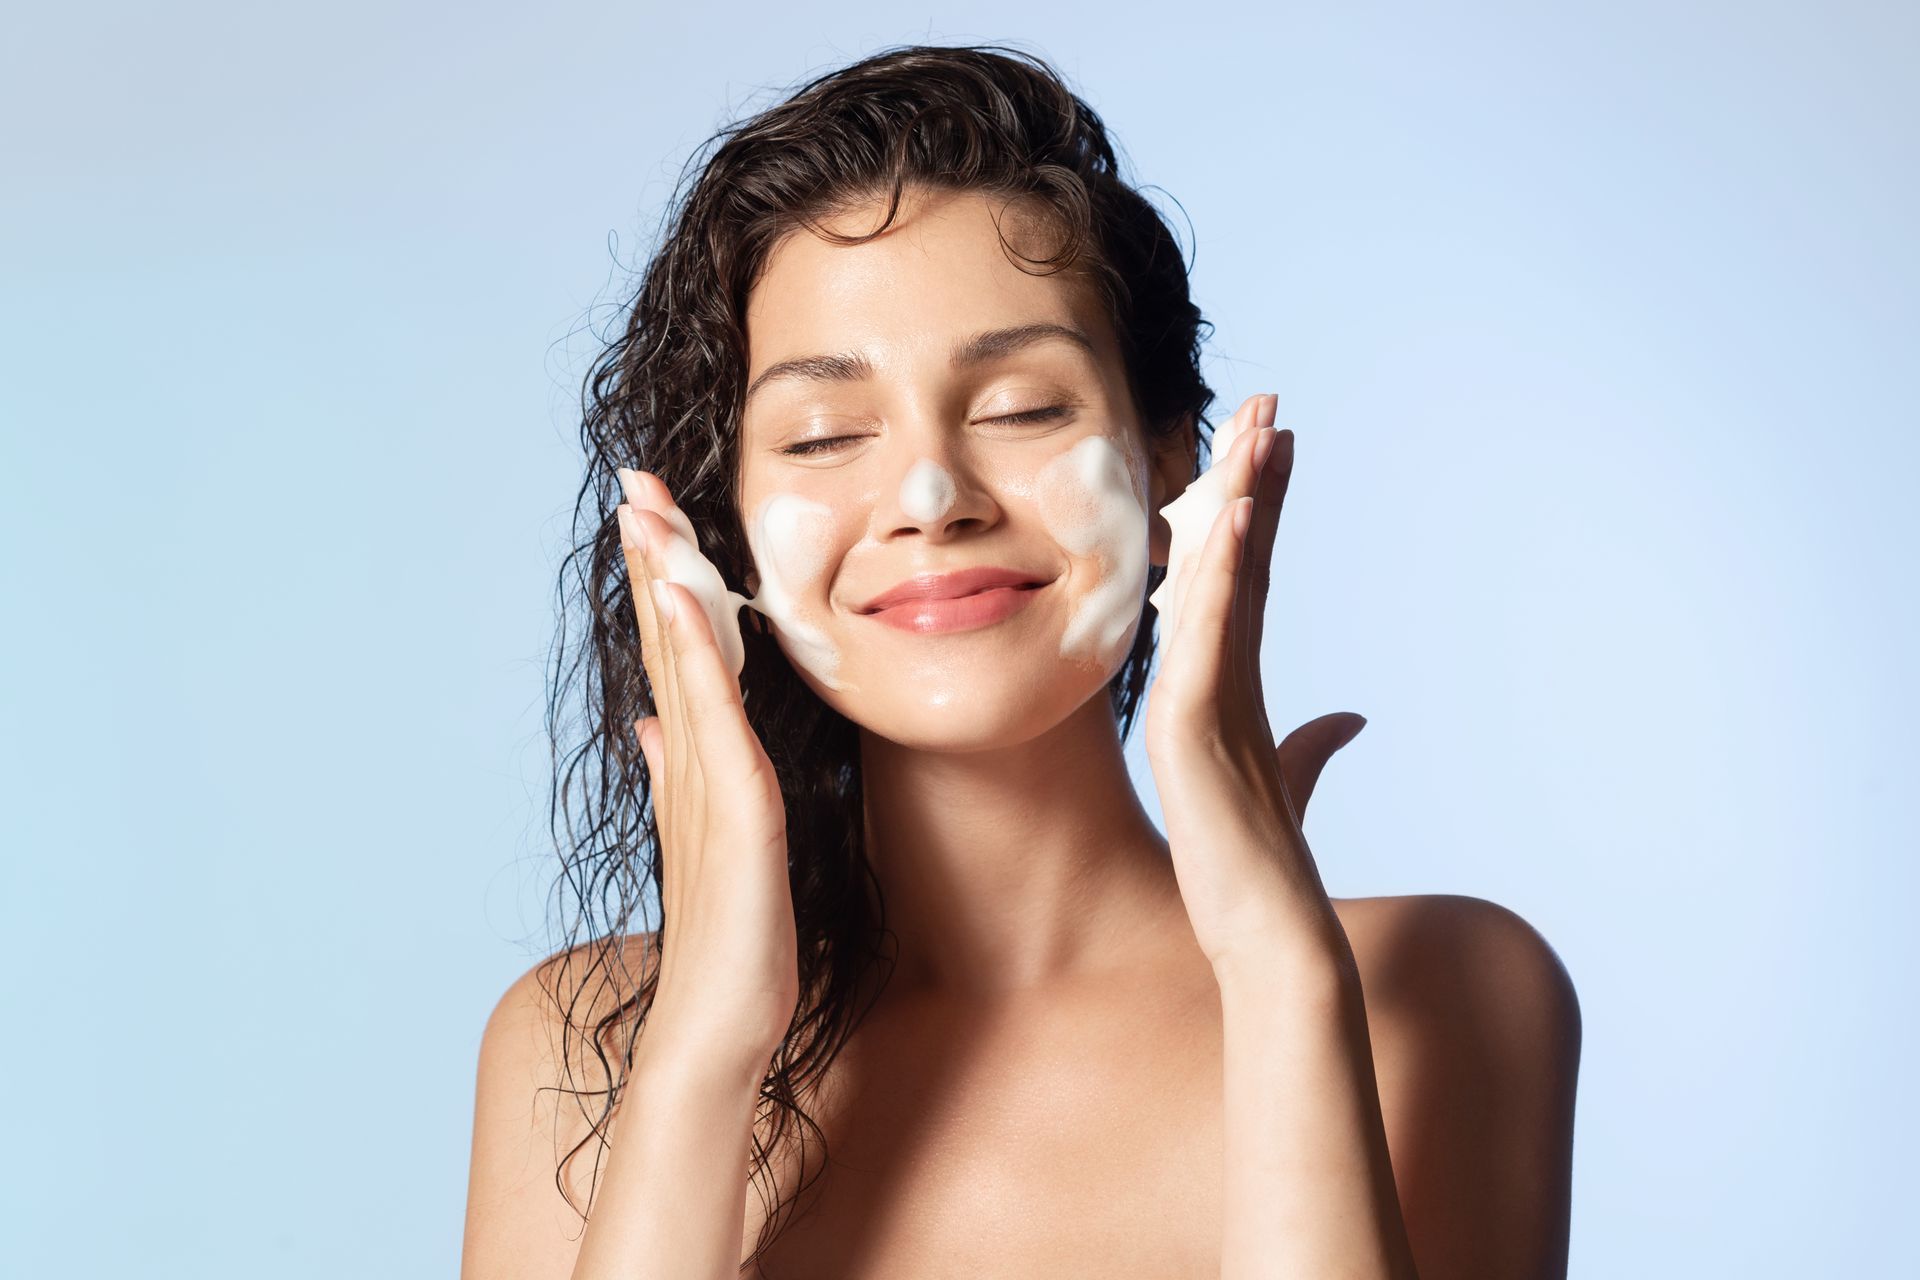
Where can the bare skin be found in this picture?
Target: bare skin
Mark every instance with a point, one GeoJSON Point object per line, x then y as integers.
{"type": "Point", "coordinates": [1039, 1090]}
{"type": "Point", "coordinates": [991, 1135]}
{"type": "Point", "coordinates": [1079, 1133]}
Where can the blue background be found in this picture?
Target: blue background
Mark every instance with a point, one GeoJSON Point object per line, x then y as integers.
{"type": "Point", "coordinates": [1597, 328]}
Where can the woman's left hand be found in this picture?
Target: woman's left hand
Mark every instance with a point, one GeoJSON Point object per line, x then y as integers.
{"type": "Point", "coordinates": [1232, 801]}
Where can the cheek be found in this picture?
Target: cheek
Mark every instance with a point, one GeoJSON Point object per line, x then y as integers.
{"type": "Point", "coordinates": [1090, 498]}
{"type": "Point", "coordinates": [793, 540]}
{"type": "Point", "coordinates": [793, 536]}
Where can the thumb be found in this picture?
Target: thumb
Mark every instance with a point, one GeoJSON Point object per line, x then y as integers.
{"type": "Point", "coordinates": [647, 730]}
{"type": "Point", "coordinates": [1305, 752]}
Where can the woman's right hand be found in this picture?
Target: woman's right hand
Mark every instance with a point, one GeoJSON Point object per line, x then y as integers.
{"type": "Point", "coordinates": [729, 975]}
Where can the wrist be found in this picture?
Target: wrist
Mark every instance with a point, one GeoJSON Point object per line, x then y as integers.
{"type": "Point", "coordinates": [1317, 965]}
{"type": "Point", "coordinates": [683, 1053]}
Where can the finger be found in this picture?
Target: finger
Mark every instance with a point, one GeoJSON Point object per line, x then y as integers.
{"type": "Point", "coordinates": [1239, 423]}
{"type": "Point", "coordinates": [646, 731]}
{"type": "Point", "coordinates": [708, 693]}
{"type": "Point", "coordinates": [734, 749]}
{"type": "Point", "coordinates": [648, 492]}
{"type": "Point", "coordinates": [682, 760]}
{"type": "Point", "coordinates": [674, 874]}
{"type": "Point", "coordinates": [676, 768]}
{"type": "Point", "coordinates": [1205, 635]}
{"type": "Point", "coordinates": [1240, 471]}
{"type": "Point", "coordinates": [653, 506]}
{"type": "Point", "coordinates": [1250, 588]}
{"type": "Point", "coordinates": [1269, 499]}
{"type": "Point", "coordinates": [1305, 752]}
{"type": "Point", "coordinates": [640, 540]}
{"type": "Point", "coordinates": [633, 532]}
{"type": "Point", "coordinates": [632, 543]}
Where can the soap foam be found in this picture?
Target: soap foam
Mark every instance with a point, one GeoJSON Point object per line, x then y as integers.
{"type": "Point", "coordinates": [788, 539]}
{"type": "Point", "coordinates": [1191, 517]}
{"type": "Point", "coordinates": [1089, 499]}
{"type": "Point", "coordinates": [1091, 503]}
{"type": "Point", "coordinates": [926, 491]}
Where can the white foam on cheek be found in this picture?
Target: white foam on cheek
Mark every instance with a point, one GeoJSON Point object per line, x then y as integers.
{"type": "Point", "coordinates": [788, 540]}
{"type": "Point", "coordinates": [791, 540]}
{"type": "Point", "coordinates": [1190, 516]}
{"type": "Point", "coordinates": [1091, 504]}
{"type": "Point", "coordinates": [926, 491]}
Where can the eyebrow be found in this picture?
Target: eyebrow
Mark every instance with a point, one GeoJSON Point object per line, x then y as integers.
{"type": "Point", "coordinates": [981, 348]}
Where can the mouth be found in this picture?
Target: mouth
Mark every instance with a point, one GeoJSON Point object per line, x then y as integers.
{"type": "Point", "coordinates": [958, 613]}
{"type": "Point", "coordinates": [930, 587]}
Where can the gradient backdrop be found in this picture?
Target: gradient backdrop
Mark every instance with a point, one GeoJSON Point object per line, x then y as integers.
{"type": "Point", "coordinates": [1598, 331]}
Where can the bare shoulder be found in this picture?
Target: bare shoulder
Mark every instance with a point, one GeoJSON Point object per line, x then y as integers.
{"type": "Point", "coordinates": [1476, 1035]}
{"type": "Point", "coordinates": [1445, 946]}
{"type": "Point", "coordinates": [539, 1095]}
{"type": "Point", "coordinates": [575, 989]}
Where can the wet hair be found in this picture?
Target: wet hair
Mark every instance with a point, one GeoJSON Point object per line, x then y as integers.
{"type": "Point", "coordinates": [665, 395]}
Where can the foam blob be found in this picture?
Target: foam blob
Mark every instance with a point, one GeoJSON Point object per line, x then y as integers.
{"type": "Point", "coordinates": [1191, 517]}
{"type": "Point", "coordinates": [1091, 504]}
{"type": "Point", "coordinates": [788, 538]}
{"type": "Point", "coordinates": [926, 491]}
{"type": "Point", "coordinates": [685, 564]}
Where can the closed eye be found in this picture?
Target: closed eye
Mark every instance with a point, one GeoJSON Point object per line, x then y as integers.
{"type": "Point", "coordinates": [1031, 415]}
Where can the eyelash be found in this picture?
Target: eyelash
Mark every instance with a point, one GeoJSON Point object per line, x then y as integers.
{"type": "Point", "coordinates": [1032, 415]}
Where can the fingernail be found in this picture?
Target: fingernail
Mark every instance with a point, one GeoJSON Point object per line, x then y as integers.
{"type": "Point", "coordinates": [663, 601]}
{"type": "Point", "coordinates": [1262, 449]}
{"type": "Point", "coordinates": [629, 484]}
{"type": "Point", "coordinates": [631, 534]}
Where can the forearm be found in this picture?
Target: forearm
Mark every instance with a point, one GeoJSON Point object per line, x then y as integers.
{"type": "Point", "coordinates": [1309, 1185]}
{"type": "Point", "coordinates": [672, 1196]}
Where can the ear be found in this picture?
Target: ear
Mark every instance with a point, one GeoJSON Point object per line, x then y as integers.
{"type": "Point", "coordinates": [1170, 465]}
{"type": "Point", "coordinates": [756, 621]}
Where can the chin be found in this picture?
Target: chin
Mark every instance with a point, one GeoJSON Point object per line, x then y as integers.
{"type": "Point", "coordinates": [963, 709]}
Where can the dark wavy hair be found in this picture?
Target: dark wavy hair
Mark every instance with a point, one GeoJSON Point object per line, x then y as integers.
{"type": "Point", "coordinates": [665, 396]}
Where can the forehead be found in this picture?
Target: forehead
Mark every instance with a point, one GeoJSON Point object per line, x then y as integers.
{"type": "Point", "coordinates": [938, 272]}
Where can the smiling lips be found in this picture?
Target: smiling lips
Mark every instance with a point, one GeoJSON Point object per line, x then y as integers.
{"type": "Point", "coordinates": [957, 601]}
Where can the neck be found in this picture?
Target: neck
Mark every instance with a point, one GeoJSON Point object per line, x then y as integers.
{"type": "Point", "coordinates": [1018, 868]}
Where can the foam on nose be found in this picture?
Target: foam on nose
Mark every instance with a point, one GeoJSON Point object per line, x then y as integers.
{"type": "Point", "coordinates": [926, 491]}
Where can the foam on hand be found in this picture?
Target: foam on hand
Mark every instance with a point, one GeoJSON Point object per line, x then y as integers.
{"type": "Point", "coordinates": [687, 565]}
{"type": "Point", "coordinates": [786, 536]}
{"type": "Point", "coordinates": [1190, 516]}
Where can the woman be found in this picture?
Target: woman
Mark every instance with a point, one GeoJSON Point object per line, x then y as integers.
{"type": "Point", "coordinates": [930, 994]}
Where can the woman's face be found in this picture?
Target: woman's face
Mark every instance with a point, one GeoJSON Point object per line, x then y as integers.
{"type": "Point", "coordinates": [918, 406]}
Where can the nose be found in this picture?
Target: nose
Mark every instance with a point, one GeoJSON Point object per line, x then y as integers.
{"type": "Point", "coordinates": [931, 487]}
